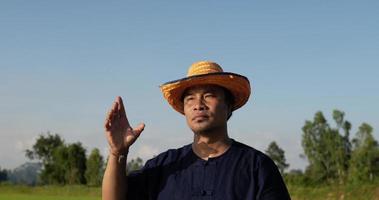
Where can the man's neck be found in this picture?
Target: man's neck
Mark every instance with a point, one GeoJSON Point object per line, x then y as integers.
{"type": "Point", "coordinates": [212, 145]}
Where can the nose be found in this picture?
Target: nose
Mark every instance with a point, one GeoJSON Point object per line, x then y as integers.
{"type": "Point", "coordinates": [199, 104]}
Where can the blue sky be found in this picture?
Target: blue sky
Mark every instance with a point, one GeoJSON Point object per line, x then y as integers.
{"type": "Point", "coordinates": [63, 62]}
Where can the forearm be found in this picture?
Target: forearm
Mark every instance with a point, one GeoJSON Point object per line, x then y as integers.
{"type": "Point", "coordinates": [115, 180]}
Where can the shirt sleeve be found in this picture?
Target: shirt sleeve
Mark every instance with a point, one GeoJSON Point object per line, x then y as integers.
{"type": "Point", "coordinates": [270, 182]}
{"type": "Point", "coordinates": [137, 183]}
{"type": "Point", "coordinates": [144, 184]}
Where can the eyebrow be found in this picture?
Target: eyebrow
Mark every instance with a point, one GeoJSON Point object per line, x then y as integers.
{"type": "Point", "coordinates": [186, 93]}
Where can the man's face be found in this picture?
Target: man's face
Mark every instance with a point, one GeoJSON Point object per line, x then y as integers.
{"type": "Point", "coordinates": [205, 108]}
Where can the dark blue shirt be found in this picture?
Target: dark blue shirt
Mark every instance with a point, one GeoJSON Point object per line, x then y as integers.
{"type": "Point", "coordinates": [242, 172]}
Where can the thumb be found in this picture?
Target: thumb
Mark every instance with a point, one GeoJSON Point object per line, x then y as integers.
{"type": "Point", "coordinates": [134, 134]}
{"type": "Point", "coordinates": [138, 130]}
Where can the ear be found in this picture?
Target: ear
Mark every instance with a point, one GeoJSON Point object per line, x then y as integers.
{"type": "Point", "coordinates": [230, 111]}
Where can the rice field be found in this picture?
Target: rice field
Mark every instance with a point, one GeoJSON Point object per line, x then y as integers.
{"type": "Point", "coordinates": [8, 192]}
{"type": "Point", "coordinates": [77, 192]}
{"type": "Point", "coordinates": [338, 192]}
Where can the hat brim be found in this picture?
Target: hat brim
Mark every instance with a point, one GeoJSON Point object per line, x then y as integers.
{"type": "Point", "coordinates": [238, 85]}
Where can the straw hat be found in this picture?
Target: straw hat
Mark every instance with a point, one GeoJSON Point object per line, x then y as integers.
{"type": "Point", "coordinates": [206, 72]}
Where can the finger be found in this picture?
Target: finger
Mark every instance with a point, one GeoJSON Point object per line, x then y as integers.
{"type": "Point", "coordinates": [114, 111]}
{"type": "Point", "coordinates": [120, 103]}
{"type": "Point", "coordinates": [114, 105]}
{"type": "Point", "coordinates": [118, 108]}
{"type": "Point", "coordinates": [108, 119]}
{"type": "Point", "coordinates": [121, 108]}
{"type": "Point", "coordinates": [111, 111]}
{"type": "Point", "coordinates": [110, 116]}
{"type": "Point", "coordinates": [107, 126]}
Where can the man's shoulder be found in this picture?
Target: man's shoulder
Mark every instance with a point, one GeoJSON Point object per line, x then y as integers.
{"type": "Point", "coordinates": [266, 172]}
{"type": "Point", "coordinates": [171, 155]}
{"type": "Point", "coordinates": [252, 154]}
{"type": "Point", "coordinates": [246, 149]}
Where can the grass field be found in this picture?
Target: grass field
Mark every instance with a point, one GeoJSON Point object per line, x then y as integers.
{"type": "Point", "coordinates": [357, 192]}
{"type": "Point", "coordinates": [8, 192]}
{"type": "Point", "coordinates": [348, 192]}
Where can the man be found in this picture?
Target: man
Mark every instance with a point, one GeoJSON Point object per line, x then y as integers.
{"type": "Point", "coordinates": [214, 166]}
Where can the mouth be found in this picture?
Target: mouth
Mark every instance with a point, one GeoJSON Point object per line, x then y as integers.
{"type": "Point", "coordinates": [200, 117]}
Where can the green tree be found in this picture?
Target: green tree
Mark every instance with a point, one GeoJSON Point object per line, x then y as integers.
{"type": "Point", "coordinates": [44, 147]}
{"type": "Point", "coordinates": [54, 172]}
{"type": "Point", "coordinates": [62, 164]}
{"type": "Point", "coordinates": [134, 164]}
{"type": "Point", "coordinates": [277, 155]}
{"type": "Point", "coordinates": [326, 149]}
{"type": "Point", "coordinates": [76, 162]}
{"type": "Point", "coordinates": [3, 175]}
{"type": "Point", "coordinates": [295, 177]}
{"type": "Point", "coordinates": [95, 168]}
{"type": "Point", "coordinates": [338, 117]}
{"type": "Point", "coordinates": [364, 163]}
{"type": "Point", "coordinates": [68, 165]}
{"type": "Point", "coordinates": [43, 150]}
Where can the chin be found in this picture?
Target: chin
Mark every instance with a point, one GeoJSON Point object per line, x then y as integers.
{"type": "Point", "coordinates": [198, 129]}
{"type": "Point", "coordinates": [201, 129]}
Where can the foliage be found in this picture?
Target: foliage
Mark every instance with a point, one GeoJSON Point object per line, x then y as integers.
{"type": "Point", "coordinates": [95, 168]}
{"type": "Point", "coordinates": [76, 164]}
{"type": "Point", "coordinates": [295, 177]}
{"type": "Point", "coordinates": [364, 163]}
{"type": "Point", "coordinates": [62, 163]}
{"type": "Point", "coordinates": [135, 164]}
{"type": "Point", "coordinates": [69, 164]}
{"type": "Point", "coordinates": [44, 147]}
{"type": "Point", "coordinates": [327, 151]}
{"type": "Point", "coordinates": [3, 175]}
{"type": "Point", "coordinates": [72, 161]}
{"type": "Point", "coordinates": [44, 150]}
{"type": "Point", "coordinates": [277, 155]}
{"type": "Point", "coordinates": [331, 155]}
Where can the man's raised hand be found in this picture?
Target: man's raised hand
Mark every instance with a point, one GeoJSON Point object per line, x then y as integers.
{"type": "Point", "coordinates": [119, 133]}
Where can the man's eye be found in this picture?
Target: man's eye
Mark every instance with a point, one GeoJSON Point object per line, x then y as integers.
{"type": "Point", "coordinates": [189, 98]}
{"type": "Point", "coordinates": [210, 95]}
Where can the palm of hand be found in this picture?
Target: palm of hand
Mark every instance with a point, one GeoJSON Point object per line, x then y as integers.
{"type": "Point", "coordinates": [118, 131]}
